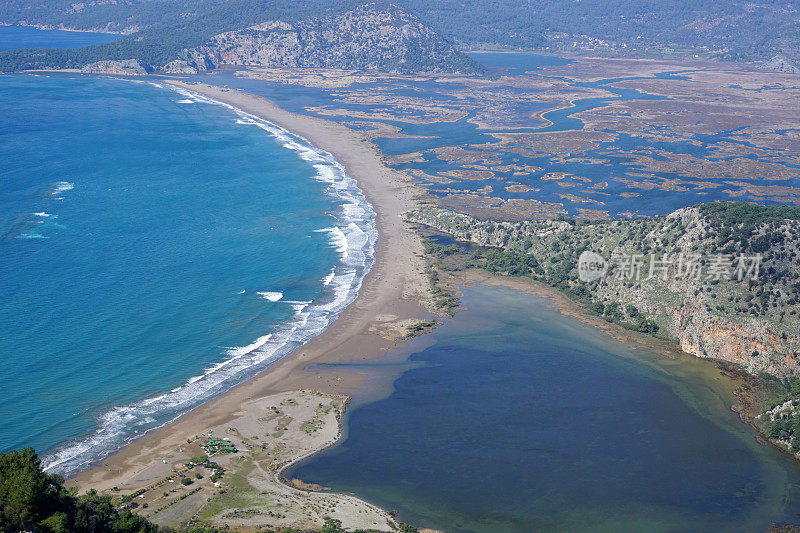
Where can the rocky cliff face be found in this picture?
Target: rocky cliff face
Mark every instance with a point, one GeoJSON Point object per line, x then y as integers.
{"type": "Point", "coordinates": [127, 67]}
{"type": "Point", "coordinates": [386, 39]}
{"type": "Point", "coordinates": [674, 275]}
{"type": "Point", "coordinates": [780, 63]}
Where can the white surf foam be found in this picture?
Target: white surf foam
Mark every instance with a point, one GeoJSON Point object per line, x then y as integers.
{"type": "Point", "coordinates": [242, 350]}
{"type": "Point", "coordinates": [298, 306]}
{"type": "Point", "coordinates": [337, 238]}
{"type": "Point", "coordinates": [354, 236]}
{"type": "Point", "coordinates": [271, 296]}
{"type": "Point", "coordinates": [61, 186]}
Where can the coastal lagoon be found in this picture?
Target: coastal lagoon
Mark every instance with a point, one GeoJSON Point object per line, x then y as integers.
{"type": "Point", "coordinates": [159, 248]}
{"type": "Point", "coordinates": [585, 137]}
{"type": "Point", "coordinates": [514, 418]}
{"type": "Point", "coordinates": [156, 249]}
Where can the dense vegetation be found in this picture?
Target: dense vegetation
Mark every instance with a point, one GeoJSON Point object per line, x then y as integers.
{"type": "Point", "coordinates": [729, 267]}
{"type": "Point", "coordinates": [171, 26]}
{"type": "Point", "coordinates": [32, 500]}
{"type": "Point", "coordinates": [740, 223]}
{"type": "Point", "coordinates": [519, 263]}
{"type": "Point", "coordinates": [735, 29]}
{"type": "Point", "coordinates": [744, 29]}
{"type": "Point", "coordinates": [783, 422]}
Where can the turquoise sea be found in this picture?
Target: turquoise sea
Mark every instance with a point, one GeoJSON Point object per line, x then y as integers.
{"type": "Point", "coordinates": [156, 249]}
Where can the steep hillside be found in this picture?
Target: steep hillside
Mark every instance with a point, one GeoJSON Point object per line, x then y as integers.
{"type": "Point", "coordinates": [368, 37]}
{"type": "Point", "coordinates": [310, 33]}
{"type": "Point", "coordinates": [734, 29]}
{"type": "Point", "coordinates": [722, 279]}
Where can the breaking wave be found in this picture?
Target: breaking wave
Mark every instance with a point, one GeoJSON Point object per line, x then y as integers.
{"type": "Point", "coordinates": [353, 235]}
{"type": "Point", "coordinates": [270, 296]}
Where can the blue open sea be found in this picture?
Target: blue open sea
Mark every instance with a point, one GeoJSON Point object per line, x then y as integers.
{"type": "Point", "coordinates": [156, 248]}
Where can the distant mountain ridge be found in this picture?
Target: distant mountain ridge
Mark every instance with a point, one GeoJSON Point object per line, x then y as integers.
{"type": "Point", "coordinates": [733, 29]}
{"type": "Point", "coordinates": [357, 35]}
{"type": "Point", "coordinates": [740, 30]}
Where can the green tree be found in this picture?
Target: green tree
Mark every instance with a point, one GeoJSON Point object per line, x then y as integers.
{"type": "Point", "coordinates": [332, 526]}
{"type": "Point", "coordinates": [31, 498]}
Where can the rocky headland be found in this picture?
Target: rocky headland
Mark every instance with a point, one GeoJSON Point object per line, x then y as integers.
{"type": "Point", "coordinates": [722, 280]}
{"type": "Point", "coordinates": [370, 38]}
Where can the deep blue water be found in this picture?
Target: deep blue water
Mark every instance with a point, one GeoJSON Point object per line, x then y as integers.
{"type": "Point", "coordinates": [155, 250]}
{"type": "Point", "coordinates": [14, 37]}
{"type": "Point", "coordinates": [513, 418]}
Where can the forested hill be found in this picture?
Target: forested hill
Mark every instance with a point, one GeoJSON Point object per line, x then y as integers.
{"type": "Point", "coordinates": [721, 279]}
{"type": "Point", "coordinates": [727, 29]}
{"type": "Point", "coordinates": [266, 33]}
{"type": "Point", "coordinates": [731, 29]}
{"type": "Point", "coordinates": [206, 17]}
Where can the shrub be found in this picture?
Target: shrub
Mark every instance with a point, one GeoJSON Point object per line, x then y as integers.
{"type": "Point", "coordinates": [34, 500]}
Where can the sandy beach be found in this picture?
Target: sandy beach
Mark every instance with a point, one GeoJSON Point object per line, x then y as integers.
{"type": "Point", "coordinates": [268, 435]}
{"type": "Point", "coordinates": [392, 297]}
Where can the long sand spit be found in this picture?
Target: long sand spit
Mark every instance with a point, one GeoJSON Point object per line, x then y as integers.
{"type": "Point", "coordinates": [391, 297]}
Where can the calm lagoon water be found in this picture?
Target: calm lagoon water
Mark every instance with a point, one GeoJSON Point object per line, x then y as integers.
{"type": "Point", "coordinates": [155, 250]}
{"type": "Point", "coordinates": [15, 37]}
{"type": "Point", "coordinates": [513, 418]}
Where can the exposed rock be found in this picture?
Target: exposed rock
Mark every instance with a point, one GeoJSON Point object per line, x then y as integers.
{"type": "Point", "coordinates": [368, 37]}
{"type": "Point", "coordinates": [179, 66]}
{"type": "Point", "coordinates": [126, 67]}
{"type": "Point", "coordinates": [780, 63]}
{"type": "Point", "coordinates": [755, 324]}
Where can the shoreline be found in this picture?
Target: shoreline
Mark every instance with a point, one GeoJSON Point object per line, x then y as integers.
{"type": "Point", "coordinates": [261, 461]}
{"type": "Point", "coordinates": [51, 27]}
{"type": "Point", "coordinates": [368, 328]}
{"type": "Point", "coordinates": [390, 298]}
{"type": "Point", "coordinates": [353, 233]}
{"type": "Point", "coordinates": [750, 392]}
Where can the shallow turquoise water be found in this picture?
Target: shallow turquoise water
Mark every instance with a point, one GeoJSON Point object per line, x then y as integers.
{"type": "Point", "coordinates": [15, 37]}
{"type": "Point", "coordinates": [513, 418]}
{"type": "Point", "coordinates": [155, 250]}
